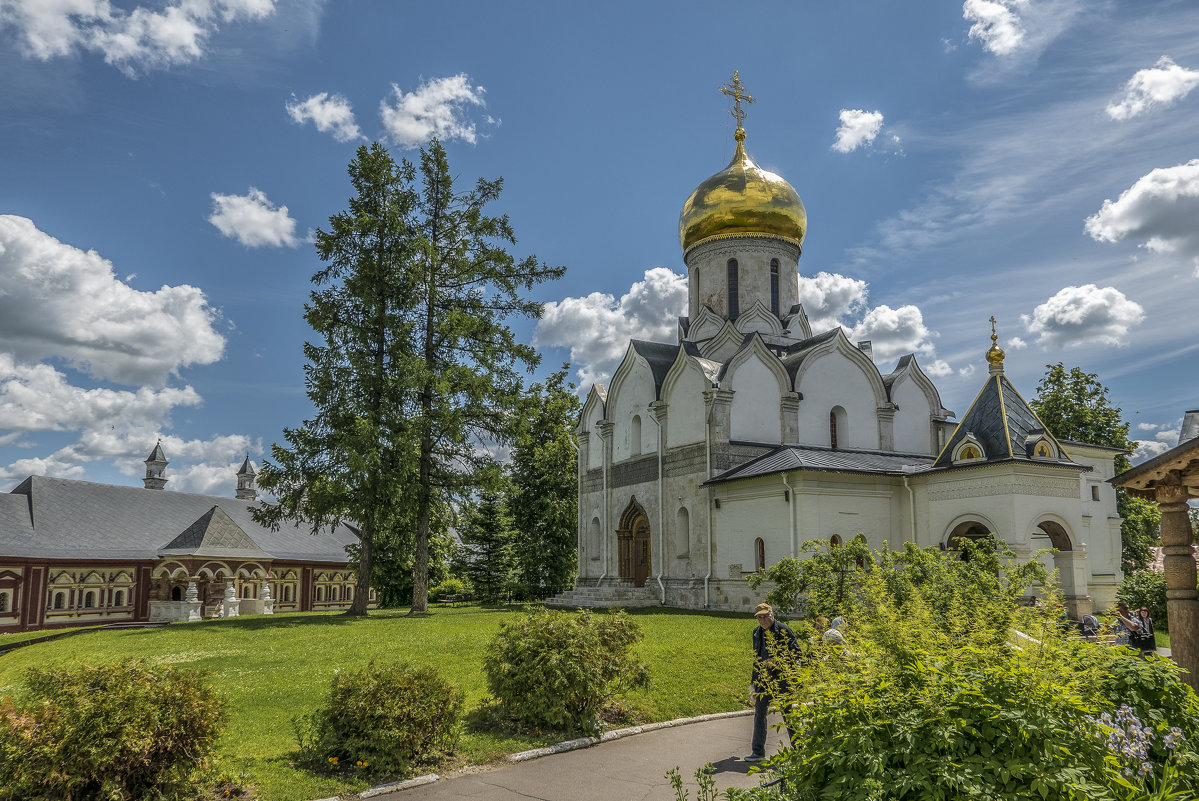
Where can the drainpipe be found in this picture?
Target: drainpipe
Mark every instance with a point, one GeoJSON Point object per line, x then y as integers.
{"type": "Point", "coordinates": [708, 475]}
{"type": "Point", "coordinates": [794, 533]}
{"type": "Point", "coordinates": [661, 511]}
{"type": "Point", "coordinates": [607, 503]}
{"type": "Point", "coordinates": [911, 509]}
{"type": "Point", "coordinates": [578, 517]}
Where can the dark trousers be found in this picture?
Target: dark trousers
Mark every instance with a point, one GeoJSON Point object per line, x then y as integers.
{"type": "Point", "coordinates": [762, 703]}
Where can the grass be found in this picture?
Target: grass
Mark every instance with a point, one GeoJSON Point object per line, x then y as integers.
{"type": "Point", "coordinates": [272, 668]}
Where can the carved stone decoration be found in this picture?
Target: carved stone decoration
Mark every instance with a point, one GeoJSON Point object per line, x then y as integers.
{"type": "Point", "coordinates": [264, 595]}
{"type": "Point", "coordinates": [230, 606]}
{"type": "Point", "coordinates": [192, 600]}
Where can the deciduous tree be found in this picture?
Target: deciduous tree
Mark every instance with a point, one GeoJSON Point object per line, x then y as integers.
{"type": "Point", "coordinates": [1073, 404]}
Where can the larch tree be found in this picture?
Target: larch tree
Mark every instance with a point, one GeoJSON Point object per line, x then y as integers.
{"type": "Point", "coordinates": [465, 287]}
{"type": "Point", "coordinates": [543, 486]}
{"type": "Point", "coordinates": [354, 460]}
{"type": "Point", "coordinates": [1073, 404]}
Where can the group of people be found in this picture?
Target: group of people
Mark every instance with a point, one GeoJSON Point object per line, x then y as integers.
{"type": "Point", "coordinates": [1135, 630]}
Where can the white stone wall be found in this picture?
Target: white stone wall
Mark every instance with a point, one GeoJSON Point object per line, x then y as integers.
{"type": "Point", "coordinates": [686, 413]}
{"type": "Point", "coordinates": [832, 379]}
{"type": "Point", "coordinates": [755, 414]}
{"type": "Point", "coordinates": [631, 394]}
{"type": "Point", "coordinates": [913, 418]}
{"type": "Point", "coordinates": [708, 274]}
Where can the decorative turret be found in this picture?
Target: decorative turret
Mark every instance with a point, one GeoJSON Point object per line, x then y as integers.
{"type": "Point", "coordinates": [995, 353]}
{"type": "Point", "coordinates": [156, 465]}
{"type": "Point", "coordinates": [245, 481]}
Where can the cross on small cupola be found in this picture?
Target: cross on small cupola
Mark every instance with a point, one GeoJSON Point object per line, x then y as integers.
{"type": "Point", "coordinates": [156, 466]}
{"type": "Point", "coordinates": [995, 354]}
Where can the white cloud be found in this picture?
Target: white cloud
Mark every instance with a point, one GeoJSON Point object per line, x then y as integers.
{"type": "Point", "coordinates": [39, 398]}
{"type": "Point", "coordinates": [1148, 448]}
{"type": "Point", "coordinates": [253, 220]}
{"type": "Point", "coordinates": [966, 371]}
{"type": "Point", "coordinates": [435, 108]}
{"type": "Point", "coordinates": [1015, 343]}
{"type": "Point", "coordinates": [597, 328]}
{"type": "Point", "coordinates": [858, 129]}
{"type": "Point", "coordinates": [828, 298]}
{"type": "Point", "coordinates": [895, 332]}
{"type": "Point", "coordinates": [1160, 85]}
{"type": "Point", "coordinates": [938, 368]}
{"type": "Point", "coordinates": [996, 24]}
{"type": "Point", "coordinates": [1160, 208]}
{"type": "Point", "coordinates": [1084, 314]}
{"type": "Point", "coordinates": [330, 114]}
{"type": "Point", "coordinates": [59, 301]}
{"type": "Point", "coordinates": [133, 41]}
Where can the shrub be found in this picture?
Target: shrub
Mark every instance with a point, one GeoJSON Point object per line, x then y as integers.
{"type": "Point", "coordinates": [557, 670]}
{"type": "Point", "coordinates": [451, 586]}
{"type": "Point", "coordinates": [1145, 588]}
{"type": "Point", "coordinates": [382, 720]}
{"type": "Point", "coordinates": [127, 730]}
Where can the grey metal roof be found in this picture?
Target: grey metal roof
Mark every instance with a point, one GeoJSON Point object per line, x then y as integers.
{"type": "Point", "coordinates": [1004, 425]}
{"type": "Point", "coordinates": [800, 350]}
{"type": "Point", "coordinates": [216, 535]}
{"type": "Point", "coordinates": [790, 457]}
{"type": "Point", "coordinates": [247, 468]}
{"type": "Point", "coordinates": [660, 357]}
{"type": "Point", "coordinates": [67, 519]}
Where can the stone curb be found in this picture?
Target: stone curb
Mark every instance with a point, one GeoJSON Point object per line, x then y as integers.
{"type": "Point", "coordinates": [559, 748]}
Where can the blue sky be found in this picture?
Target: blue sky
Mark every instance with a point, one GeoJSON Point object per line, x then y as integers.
{"type": "Point", "coordinates": [166, 162]}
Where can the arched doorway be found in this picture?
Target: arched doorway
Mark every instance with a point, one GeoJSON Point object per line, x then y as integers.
{"type": "Point", "coordinates": [967, 531]}
{"type": "Point", "coordinates": [632, 538]}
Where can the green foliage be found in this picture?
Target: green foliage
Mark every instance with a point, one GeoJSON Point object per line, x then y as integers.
{"type": "Point", "coordinates": [451, 586]}
{"type": "Point", "coordinates": [1073, 405]}
{"type": "Point", "coordinates": [935, 697]}
{"type": "Point", "coordinates": [1145, 588]}
{"type": "Point", "coordinates": [556, 670]}
{"type": "Point", "coordinates": [381, 720]}
{"type": "Point", "coordinates": [488, 553]}
{"type": "Point", "coordinates": [127, 730]}
{"type": "Point", "coordinates": [705, 784]}
{"type": "Point", "coordinates": [825, 583]}
{"type": "Point", "coordinates": [544, 485]}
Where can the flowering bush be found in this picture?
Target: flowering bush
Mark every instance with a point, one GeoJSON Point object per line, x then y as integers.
{"type": "Point", "coordinates": [382, 720]}
{"type": "Point", "coordinates": [121, 731]}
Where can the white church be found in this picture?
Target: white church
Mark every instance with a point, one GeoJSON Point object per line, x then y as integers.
{"type": "Point", "coordinates": [711, 457]}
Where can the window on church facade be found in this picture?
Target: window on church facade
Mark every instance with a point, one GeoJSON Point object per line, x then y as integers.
{"type": "Point", "coordinates": [760, 553]}
{"type": "Point", "coordinates": [60, 600]}
{"type": "Point", "coordinates": [734, 291]}
{"type": "Point", "coordinates": [89, 600]}
{"type": "Point", "coordinates": [119, 598]}
{"type": "Point", "coordinates": [832, 429]}
{"type": "Point", "coordinates": [635, 436]}
{"type": "Point", "coordinates": [834, 540]}
{"type": "Point", "coordinates": [3, 601]}
{"type": "Point", "coordinates": [838, 429]}
{"type": "Point", "coordinates": [774, 287]}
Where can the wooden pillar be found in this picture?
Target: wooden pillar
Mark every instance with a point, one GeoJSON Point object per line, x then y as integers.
{"type": "Point", "coordinates": [1182, 599]}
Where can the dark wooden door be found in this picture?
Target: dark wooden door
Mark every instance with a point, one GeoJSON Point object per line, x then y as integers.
{"type": "Point", "coordinates": [641, 560]}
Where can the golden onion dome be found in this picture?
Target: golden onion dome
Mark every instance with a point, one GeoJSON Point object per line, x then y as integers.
{"type": "Point", "coordinates": [742, 200]}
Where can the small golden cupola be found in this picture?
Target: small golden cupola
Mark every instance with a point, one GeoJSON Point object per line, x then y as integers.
{"type": "Point", "coordinates": [742, 200]}
{"type": "Point", "coordinates": [995, 353]}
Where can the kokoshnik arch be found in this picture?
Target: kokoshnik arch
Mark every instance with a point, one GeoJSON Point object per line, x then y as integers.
{"type": "Point", "coordinates": [710, 457]}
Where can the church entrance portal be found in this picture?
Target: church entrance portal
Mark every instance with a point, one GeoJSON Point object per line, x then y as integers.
{"type": "Point", "coordinates": [633, 544]}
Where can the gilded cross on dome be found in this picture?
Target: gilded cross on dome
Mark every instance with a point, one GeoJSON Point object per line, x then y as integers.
{"type": "Point", "coordinates": [736, 90]}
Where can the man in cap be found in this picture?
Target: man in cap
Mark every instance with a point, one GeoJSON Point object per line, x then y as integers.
{"type": "Point", "coordinates": [772, 640]}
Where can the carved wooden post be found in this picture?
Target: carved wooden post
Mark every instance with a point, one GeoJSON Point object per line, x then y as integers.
{"type": "Point", "coordinates": [1182, 599]}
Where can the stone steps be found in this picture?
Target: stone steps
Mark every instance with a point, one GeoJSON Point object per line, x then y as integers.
{"type": "Point", "coordinates": [610, 595]}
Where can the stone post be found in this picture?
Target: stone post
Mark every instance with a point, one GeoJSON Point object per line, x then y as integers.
{"type": "Point", "coordinates": [230, 605]}
{"type": "Point", "coordinates": [264, 595]}
{"type": "Point", "coordinates": [192, 599]}
{"type": "Point", "coordinates": [1182, 599]}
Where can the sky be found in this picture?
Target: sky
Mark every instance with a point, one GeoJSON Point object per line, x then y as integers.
{"type": "Point", "coordinates": [167, 163]}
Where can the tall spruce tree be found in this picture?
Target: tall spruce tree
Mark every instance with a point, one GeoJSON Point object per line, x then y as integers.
{"type": "Point", "coordinates": [1074, 405]}
{"type": "Point", "coordinates": [466, 286]}
{"type": "Point", "coordinates": [354, 459]}
{"type": "Point", "coordinates": [543, 486]}
{"type": "Point", "coordinates": [488, 554]}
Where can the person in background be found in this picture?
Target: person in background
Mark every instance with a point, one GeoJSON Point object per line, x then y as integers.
{"type": "Point", "coordinates": [772, 641]}
{"type": "Point", "coordinates": [1124, 626]}
{"type": "Point", "coordinates": [1146, 637]}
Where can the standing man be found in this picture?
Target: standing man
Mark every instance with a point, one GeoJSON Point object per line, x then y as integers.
{"type": "Point", "coordinates": [772, 640]}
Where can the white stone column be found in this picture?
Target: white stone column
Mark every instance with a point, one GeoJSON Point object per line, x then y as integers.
{"type": "Point", "coordinates": [264, 595]}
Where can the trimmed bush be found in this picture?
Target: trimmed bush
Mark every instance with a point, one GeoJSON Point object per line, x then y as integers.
{"type": "Point", "coordinates": [451, 586]}
{"type": "Point", "coordinates": [382, 720]}
{"type": "Point", "coordinates": [557, 670]}
{"type": "Point", "coordinates": [127, 730]}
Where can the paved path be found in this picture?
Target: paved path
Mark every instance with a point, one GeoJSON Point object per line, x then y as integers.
{"type": "Point", "coordinates": [630, 769]}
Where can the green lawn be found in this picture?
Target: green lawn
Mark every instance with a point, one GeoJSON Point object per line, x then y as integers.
{"type": "Point", "coordinates": [271, 668]}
